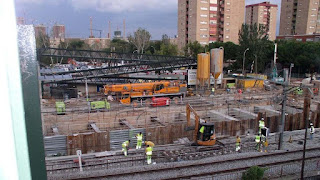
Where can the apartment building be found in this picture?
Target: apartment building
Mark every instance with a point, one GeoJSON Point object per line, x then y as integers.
{"type": "Point", "coordinates": [59, 31]}
{"type": "Point", "coordinates": [299, 17]}
{"type": "Point", "coordinates": [208, 21]}
{"type": "Point", "coordinates": [40, 30]}
{"type": "Point", "coordinates": [263, 13]}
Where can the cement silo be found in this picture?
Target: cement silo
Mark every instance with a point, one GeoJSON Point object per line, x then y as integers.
{"type": "Point", "coordinates": [216, 61]}
{"type": "Point", "coordinates": [203, 70]}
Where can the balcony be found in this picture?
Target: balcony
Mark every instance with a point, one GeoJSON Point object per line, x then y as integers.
{"type": "Point", "coordinates": [212, 39]}
{"type": "Point", "coordinates": [212, 32]}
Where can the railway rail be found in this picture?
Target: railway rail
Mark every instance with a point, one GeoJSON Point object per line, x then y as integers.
{"type": "Point", "coordinates": [207, 168]}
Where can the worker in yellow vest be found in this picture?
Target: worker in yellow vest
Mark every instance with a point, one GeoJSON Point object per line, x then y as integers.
{"type": "Point", "coordinates": [125, 147]}
{"type": "Point", "coordinates": [139, 140]}
{"type": "Point", "coordinates": [201, 133]}
{"type": "Point", "coordinates": [213, 90]}
{"type": "Point", "coordinates": [258, 141]}
{"type": "Point", "coordinates": [149, 143]}
{"type": "Point", "coordinates": [149, 154]}
{"type": "Point", "coordinates": [238, 141]}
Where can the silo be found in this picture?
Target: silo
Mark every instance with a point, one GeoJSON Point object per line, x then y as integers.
{"type": "Point", "coordinates": [216, 62]}
{"type": "Point", "coordinates": [203, 69]}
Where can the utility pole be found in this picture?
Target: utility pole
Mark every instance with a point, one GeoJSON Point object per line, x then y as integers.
{"type": "Point", "coordinates": [283, 109]}
{"type": "Point", "coordinates": [306, 109]}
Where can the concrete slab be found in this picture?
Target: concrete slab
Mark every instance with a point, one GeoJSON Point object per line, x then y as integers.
{"type": "Point", "coordinates": [224, 116]}
{"type": "Point", "coordinates": [248, 113]}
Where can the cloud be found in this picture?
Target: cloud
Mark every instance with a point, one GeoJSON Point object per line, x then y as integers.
{"type": "Point", "coordinates": [119, 6]}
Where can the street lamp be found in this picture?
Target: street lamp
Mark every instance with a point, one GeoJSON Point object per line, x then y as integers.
{"type": "Point", "coordinates": [291, 66]}
{"type": "Point", "coordinates": [244, 59]}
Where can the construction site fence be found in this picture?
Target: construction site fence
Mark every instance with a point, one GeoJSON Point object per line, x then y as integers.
{"type": "Point", "coordinates": [287, 170]}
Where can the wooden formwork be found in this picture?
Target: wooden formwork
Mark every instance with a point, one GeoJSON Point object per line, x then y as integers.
{"type": "Point", "coordinates": [88, 142]}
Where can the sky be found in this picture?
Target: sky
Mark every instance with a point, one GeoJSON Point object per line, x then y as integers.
{"type": "Point", "coordinates": [157, 16]}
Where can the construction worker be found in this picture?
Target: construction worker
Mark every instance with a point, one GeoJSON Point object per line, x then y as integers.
{"type": "Point", "coordinates": [149, 154]}
{"type": "Point", "coordinates": [258, 140]}
{"type": "Point", "coordinates": [149, 143]}
{"type": "Point", "coordinates": [265, 145]}
{"type": "Point", "coordinates": [261, 125]}
{"type": "Point", "coordinates": [125, 147]}
{"type": "Point", "coordinates": [201, 133]}
{"type": "Point", "coordinates": [213, 90]}
{"type": "Point", "coordinates": [238, 141]}
{"type": "Point", "coordinates": [139, 140]}
{"type": "Point", "coordinates": [311, 131]}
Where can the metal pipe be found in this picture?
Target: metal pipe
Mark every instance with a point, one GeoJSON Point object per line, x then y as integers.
{"type": "Point", "coordinates": [306, 109]}
{"type": "Point", "coordinates": [244, 59]}
{"type": "Point", "coordinates": [283, 109]}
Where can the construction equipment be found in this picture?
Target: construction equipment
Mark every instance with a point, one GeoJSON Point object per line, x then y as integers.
{"type": "Point", "coordinates": [95, 105]}
{"type": "Point", "coordinates": [144, 92]}
{"type": "Point", "coordinates": [204, 133]}
{"type": "Point", "coordinates": [61, 108]}
{"type": "Point", "coordinates": [162, 101]}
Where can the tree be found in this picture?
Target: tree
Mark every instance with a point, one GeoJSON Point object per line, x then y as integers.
{"type": "Point", "coordinates": [165, 39]}
{"type": "Point", "coordinates": [140, 39]}
{"type": "Point", "coordinates": [169, 49]}
{"type": "Point", "coordinates": [77, 44]}
{"type": "Point", "coordinates": [193, 49]}
{"type": "Point", "coordinates": [255, 38]}
{"type": "Point", "coordinates": [253, 173]}
{"type": "Point", "coordinates": [42, 41]}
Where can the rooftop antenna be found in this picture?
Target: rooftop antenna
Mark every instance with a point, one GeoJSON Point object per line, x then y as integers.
{"type": "Point", "coordinates": [124, 28]}
{"type": "Point", "coordinates": [109, 34]}
{"type": "Point", "coordinates": [91, 35]}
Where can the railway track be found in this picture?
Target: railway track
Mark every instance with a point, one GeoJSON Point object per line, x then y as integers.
{"type": "Point", "coordinates": [162, 154]}
{"type": "Point", "coordinates": [186, 170]}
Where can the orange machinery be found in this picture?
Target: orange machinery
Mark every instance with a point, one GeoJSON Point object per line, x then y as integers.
{"type": "Point", "coordinates": [137, 92]}
{"type": "Point", "coordinates": [208, 137]}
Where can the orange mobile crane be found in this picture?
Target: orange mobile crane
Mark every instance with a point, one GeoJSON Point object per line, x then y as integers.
{"type": "Point", "coordinates": [138, 92]}
{"type": "Point", "coordinates": [208, 137]}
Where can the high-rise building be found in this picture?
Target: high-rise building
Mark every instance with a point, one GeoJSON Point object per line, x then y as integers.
{"type": "Point", "coordinates": [40, 30]}
{"type": "Point", "coordinates": [59, 31]}
{"type": "Point", "coordinates": [209, 21]}
{"type": "Point", "coordinates": [263, 13]}
{"type": "Point", "coordinates": [20, 21]}
{"type": "Point", "coordinates": [299, 17]}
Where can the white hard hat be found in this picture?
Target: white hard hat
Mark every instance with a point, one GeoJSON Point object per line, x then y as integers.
{"type": "Point", "coordinates": [311, 124]}
{"type": "Point", "coordinates": [262, 119]}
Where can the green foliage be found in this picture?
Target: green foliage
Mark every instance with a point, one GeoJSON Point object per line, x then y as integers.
{"type": "Point", "coordinates": [169, 49]}
{"type": "Point", "coordinates": [77, 44]}
{"type": "Point", "coordinates": [140, 39]}
{"type": "Point", "coordinates": [304, 55]}
{"type": "Point", "coordinates": [193, 49]}
{"type": "Point", "coordinates": [120, 45]}
{"type": "Point", "coordinates": [255, 38]}
{"type": "Point", "coordinates": [254, 173]}
{"type": "Point", "coordinates": [42, 41]}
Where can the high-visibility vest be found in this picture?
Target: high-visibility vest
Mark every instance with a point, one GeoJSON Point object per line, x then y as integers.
{"type": "Point", "coordinates": [257, 139]}
{"type": "Point", "coordinates": [238, 141]}
{"type": "Point", "coordinates": [139, 137]}
{"type": "Point", "coordinates": [261, 124]}
{"type": "Point", "coordinates": [125, 144]}
{"type": "Point", "coordinates": [149, 151]}
{"type": "Point", "coordinates": [312, 130]}
{"type": "Point", "coordinates": [201, 129]}
{"type": "Point", "coordinates": [212, 89]}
